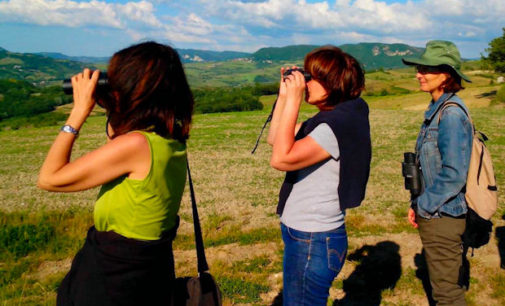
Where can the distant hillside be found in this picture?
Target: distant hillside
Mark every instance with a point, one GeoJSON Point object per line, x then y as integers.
{"type": "Point", "coordinates": [371, 55]}
{"type": "Point", "coordinates": [204, 68]}
{"type": "Point", "coordinates": [36, 69]}
{"type": "Point", "coordinates": [84, 59]}
{"type": "Point", "coordinates": [192, 55]}
{"type": "Point", "coordinates": [377, 55]}
{"type": "Point", "coordinates": [288, 53]}
{"type": "Point", "coordinates": [187, 56]}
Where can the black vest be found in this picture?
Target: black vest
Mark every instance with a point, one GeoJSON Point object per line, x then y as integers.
{"type": "Point", "coordinates": [350, 124]}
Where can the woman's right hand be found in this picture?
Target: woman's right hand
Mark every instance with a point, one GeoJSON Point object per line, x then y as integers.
{"type": "Point", "coordinates": [84, 85]}
{"type": "Point", "coordinates": [411, 215]}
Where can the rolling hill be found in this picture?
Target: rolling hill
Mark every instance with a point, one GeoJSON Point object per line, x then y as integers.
{"type": "Point", "coordinates": [36, 69]}
{"type": "Point", "coordinates": [187, 56]}
{"type": "Point", "coordinates": [193, 55]}
{"type": "Point", "coordinates": [84, 59]}
{"type": "Point", "coordinates": [206, 68]}
{"type": "Point", "coordinates": [371, 55]}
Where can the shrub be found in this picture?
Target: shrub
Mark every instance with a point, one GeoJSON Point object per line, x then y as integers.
{"type": "Point", "coordinates": [20, 98]}
{"type": "Point", "coordinates": [19, 240]}
{"type": "Point", "coordinates": [215, 100]}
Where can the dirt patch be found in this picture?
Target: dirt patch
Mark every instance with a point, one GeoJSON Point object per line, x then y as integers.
{"type": "Point", "coordinates": [49, 268]}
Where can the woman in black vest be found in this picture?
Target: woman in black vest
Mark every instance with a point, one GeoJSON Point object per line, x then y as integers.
{"type": "Point", "coordinates": [327, 160]}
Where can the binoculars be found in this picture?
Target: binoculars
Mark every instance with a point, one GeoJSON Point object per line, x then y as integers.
{"type": "Point", "coordinates": [412, 174]}
{"type": "Point", "coordinates": [101, 85]}
{"type": "Point", "coordinates": [306, 75]}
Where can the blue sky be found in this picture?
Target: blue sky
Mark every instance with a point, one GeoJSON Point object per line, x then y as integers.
{"type": "Point", "coordinates": [101, 27]}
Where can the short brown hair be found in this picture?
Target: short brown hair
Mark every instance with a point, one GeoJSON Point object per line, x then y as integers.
{"type": "Point", "coordinates": [148, 91]}
{"type": "Point", "coordinates": [453, 82]}
{"type": "Point", "coordinates": [339, 73]}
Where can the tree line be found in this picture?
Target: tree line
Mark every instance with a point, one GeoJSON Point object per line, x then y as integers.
{"type": "Point", "coordinates": [20, 98]}
{"type": "Point", "coordinates": [25, 104]}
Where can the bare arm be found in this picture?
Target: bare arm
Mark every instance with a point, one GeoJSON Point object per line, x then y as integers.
{"type": "Point", "coordinates": [288, 154]}
{"type": "Point", "coordinates": [126, 154]}
{"type": "Point", "coordinates": [278, 110]}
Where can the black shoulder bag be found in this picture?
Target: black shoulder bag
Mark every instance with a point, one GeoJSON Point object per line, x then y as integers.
{"type": "Point", "coordinates": [201, 289]}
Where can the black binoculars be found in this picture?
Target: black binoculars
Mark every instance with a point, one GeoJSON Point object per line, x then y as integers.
{"type": "Point", "coordinates": [306, 75]}
{"type": "Point", "coordinates": [412, 174]}
{"type": "Point", "coordinates": [101, 85]}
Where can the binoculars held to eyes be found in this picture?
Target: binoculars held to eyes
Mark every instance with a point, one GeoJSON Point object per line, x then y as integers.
{"type": "Point", "coordinates": [102, 84]}
{"type": "Point", "coordinates": [306, 75]}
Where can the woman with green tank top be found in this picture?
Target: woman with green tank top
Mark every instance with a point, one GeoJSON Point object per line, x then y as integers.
{"type": "Point", "coordinates": [127, 258]}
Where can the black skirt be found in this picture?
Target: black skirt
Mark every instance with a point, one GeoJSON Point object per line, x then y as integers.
{"type": "Point", "coordinates": [114, 270]}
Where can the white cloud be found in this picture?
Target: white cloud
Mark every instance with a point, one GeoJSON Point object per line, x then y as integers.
{"type": "Point", "coordinates": [247, 24]}
{"type": "Point", "coordinates": [292, 14]}
{"type": "Point", "coordinates": [77, 14]}
{"type": "Point", "coordinates": [59, 12]}
{"type": "Point", "coordinates": [339, 21]}
{"type": "Point", "coordinates": [142, 11]}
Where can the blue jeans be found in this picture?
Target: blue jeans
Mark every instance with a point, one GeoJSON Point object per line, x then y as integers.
{"type": "Point", "coordinates": [311, 263]}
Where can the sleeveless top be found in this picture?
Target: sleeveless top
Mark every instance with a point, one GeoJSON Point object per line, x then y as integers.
{"type": "Point", "coordinates": [143, 209]}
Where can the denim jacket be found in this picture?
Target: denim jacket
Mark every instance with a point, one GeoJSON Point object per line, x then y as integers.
{"type": "Point", "coordinates": [443, 151]}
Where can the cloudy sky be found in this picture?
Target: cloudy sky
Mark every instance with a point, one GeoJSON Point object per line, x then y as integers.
{"type": "Point", "coordinates": [100, 27]}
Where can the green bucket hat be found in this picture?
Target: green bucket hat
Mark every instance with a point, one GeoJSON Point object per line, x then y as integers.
{"type": "Point", "coordinates": [439, 52]}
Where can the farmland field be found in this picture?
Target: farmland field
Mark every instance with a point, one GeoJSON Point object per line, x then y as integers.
{"type": "Point", "coordinates": [237, 193]}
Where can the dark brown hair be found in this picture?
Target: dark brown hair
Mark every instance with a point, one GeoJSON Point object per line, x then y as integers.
{"type": "Point", "coordinates": [338, 72]}
{"type": "Point", "coordinates": [148, 91]}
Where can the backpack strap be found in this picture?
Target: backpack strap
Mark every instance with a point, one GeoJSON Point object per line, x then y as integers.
{"type": "Point", "coordinates": [451, 103]}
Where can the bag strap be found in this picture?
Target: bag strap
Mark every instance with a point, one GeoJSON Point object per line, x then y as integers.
{"type": "Point", "coordinates": [428, 120]}
{"type": "Point", "coordinates": [200, 250]}
{"type": "Point", "coordinates": [449, 103]}
{"type": "Point", "coordinates": [269, 118]}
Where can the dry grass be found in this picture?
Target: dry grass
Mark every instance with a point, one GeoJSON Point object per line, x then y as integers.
{"type": "Point", "coordinates": [237, 194]}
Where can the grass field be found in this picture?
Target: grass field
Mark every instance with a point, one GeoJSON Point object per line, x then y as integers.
{"type": "Point", "coordinates": [236, 191]}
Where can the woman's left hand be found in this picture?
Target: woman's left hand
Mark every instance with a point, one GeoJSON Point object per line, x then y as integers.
{"type": "Point", "coordinates": [411, 216]}
{"type": "Point", "coordinates": [295, 86]}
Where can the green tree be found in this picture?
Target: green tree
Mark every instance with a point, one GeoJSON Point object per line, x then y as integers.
{"type": "Point", "coordinates": [496, 53]}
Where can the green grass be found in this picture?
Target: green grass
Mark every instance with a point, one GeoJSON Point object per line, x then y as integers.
{"type": "Point", "coordinates": [237, 194]}
{"type": "Point", "coordinates": [241, 290]}
{"type": "Point", "coordinates": [498, 286]}
{"type": "Point", "coordinates": [228, 235]}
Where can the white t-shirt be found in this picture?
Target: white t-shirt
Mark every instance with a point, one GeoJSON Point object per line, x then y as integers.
{"type": "Point", "coordinates": [313, 204]}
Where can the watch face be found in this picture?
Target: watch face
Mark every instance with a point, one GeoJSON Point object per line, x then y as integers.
{"type": "Point", "coordinates": [69, 129]}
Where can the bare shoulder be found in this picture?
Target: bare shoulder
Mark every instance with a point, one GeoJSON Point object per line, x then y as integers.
{"type": "Point", "coordinates": [134, 142]}
{"type": "Point", "coordinates": [135, 138]}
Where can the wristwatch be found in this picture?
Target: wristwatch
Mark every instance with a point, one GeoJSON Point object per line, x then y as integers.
{"type": "Point", "coordinates": [69, 129]}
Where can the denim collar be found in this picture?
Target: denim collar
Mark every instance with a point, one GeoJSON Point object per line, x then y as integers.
{"type": "Point", "coordinates": [435, 105]}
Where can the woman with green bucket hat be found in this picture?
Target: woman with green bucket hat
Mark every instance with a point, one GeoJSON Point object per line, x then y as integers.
{"type": "Point", "coordinates": [443, 153]}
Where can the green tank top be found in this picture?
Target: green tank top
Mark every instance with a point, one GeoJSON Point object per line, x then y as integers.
{"type": "Point", "coordinates": [143, 209]}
